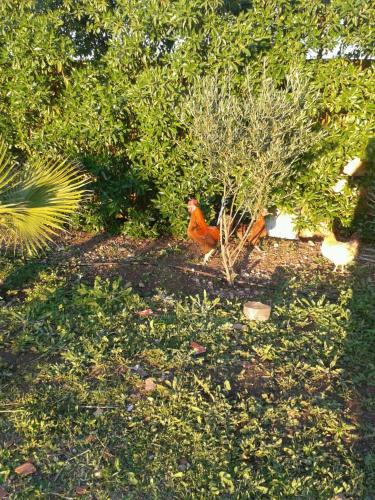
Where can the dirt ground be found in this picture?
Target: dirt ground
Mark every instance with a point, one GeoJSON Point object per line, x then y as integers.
{"type": "Point", "coordinates": [175, 266]}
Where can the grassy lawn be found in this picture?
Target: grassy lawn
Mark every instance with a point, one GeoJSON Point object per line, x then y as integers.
{"type": "Point", "coordinates": [110, 404]}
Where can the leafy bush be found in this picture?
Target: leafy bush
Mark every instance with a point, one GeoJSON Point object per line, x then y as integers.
{"type": "Point", "coordinates": [140, 224]}
{"type": "Point", "coordinates": [94, 78]}
{"type": "Point", "coordinates": [119, 190]}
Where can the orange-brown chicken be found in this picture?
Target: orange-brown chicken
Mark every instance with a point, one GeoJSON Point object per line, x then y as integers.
{"type": "Point", "coordinates": [257, 231]}
{"type": "Point", "coordinates": [207, 237]}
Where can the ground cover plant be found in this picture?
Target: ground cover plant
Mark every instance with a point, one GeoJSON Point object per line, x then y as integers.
{"type": "Point", "coordinates": [108, 401]}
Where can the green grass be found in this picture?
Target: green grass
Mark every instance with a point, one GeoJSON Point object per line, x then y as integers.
{"type": "Point", "coordinates": [282, 409]}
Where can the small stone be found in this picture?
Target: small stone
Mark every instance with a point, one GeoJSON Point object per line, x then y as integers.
{"type": "Point", "coordinates": [130, 408]}
{"type": "Point", "coordinates": [239, 326]}
{"type": "Point", "coordinates": [183, 465]}
{"type": "Point", "coordinates": [311, 243]}
{"type": "Point", "coordinates": [352, 166]}
{"type": "Point", "coordinates": [275, 245]}
{"type": "Point", "coordinates": [339, 186]}
{"type": "Point", "coordinates": [139, 371]}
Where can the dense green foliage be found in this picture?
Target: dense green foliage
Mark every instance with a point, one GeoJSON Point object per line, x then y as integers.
{"type": "Point", "coordinates": [282, 409]}
{"type": "Point", "coordinates": [105, 80]}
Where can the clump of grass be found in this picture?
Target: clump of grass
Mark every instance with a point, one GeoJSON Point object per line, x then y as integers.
{"type": "Point", "coordinates": [268, 411]}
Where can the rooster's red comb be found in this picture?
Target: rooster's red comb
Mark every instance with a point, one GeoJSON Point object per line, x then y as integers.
{"type": "Point", "coordinates": [193, 201]}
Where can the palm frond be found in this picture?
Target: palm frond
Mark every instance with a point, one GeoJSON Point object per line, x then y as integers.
{"type": "Point", "coordinates": [36, 202]}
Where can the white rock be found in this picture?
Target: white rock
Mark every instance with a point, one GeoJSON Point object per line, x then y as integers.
{"type": "Point", "coordinates": [352, 166]}
{"type": "Point", "coordinates": [340, 185]}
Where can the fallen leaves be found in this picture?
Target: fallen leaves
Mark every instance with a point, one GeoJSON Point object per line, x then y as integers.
{"type": "Point", "coordinates": [145, 313]}
{"type": "Point", "coordinates": [81, 490]}
{"type": "Point", "coordinates": [3, 493]}
{"type": "Point", "coordinates": [197, 348]}
{"type": "Point", "coordinates": [25, 469]}
{"type": "Point", "coordinates": [149, 385]}
{"type": "Point", "coordinates": [90, 438]}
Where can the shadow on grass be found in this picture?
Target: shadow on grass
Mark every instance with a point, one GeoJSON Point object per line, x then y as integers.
{"type": "Point", "coordinates": [27, 272]}
{"type": "Point", "coordinates": [358, 363]}
{"type": "Point", "coordinates": [358, 360]}
{"type": "Point", "coordinates": [356, 352]}
{"type": "Point", "coordinates": [354, 398]}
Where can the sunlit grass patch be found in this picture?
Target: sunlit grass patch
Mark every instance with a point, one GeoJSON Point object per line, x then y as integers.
{"type": "Point", "coordinates": [102, 398]}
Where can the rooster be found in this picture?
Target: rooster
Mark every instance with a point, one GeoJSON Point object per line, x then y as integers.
{"type": "Point", "coordinates": [339, 252]}
{"type": "Point", "coordinates": [207, 237]}
{"type": "Point", "coordinates": [257, 231]}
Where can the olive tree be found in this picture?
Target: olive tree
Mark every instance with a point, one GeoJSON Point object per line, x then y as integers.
{"type": "Point", "coordinates": [250, 140]}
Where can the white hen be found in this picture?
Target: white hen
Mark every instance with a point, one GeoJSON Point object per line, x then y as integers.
{"type": "Point", "coordinates": [339, 252]}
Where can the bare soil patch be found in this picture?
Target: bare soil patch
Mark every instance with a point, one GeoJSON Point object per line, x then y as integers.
{"type": "Point", "coordinates": [175, 266]}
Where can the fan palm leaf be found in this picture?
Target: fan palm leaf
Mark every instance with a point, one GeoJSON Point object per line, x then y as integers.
{"type": "Point", "coordinates": [36, 202]}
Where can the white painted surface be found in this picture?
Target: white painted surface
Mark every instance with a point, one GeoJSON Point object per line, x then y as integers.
{"type": "Point", "coordinates": [281, 225]}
